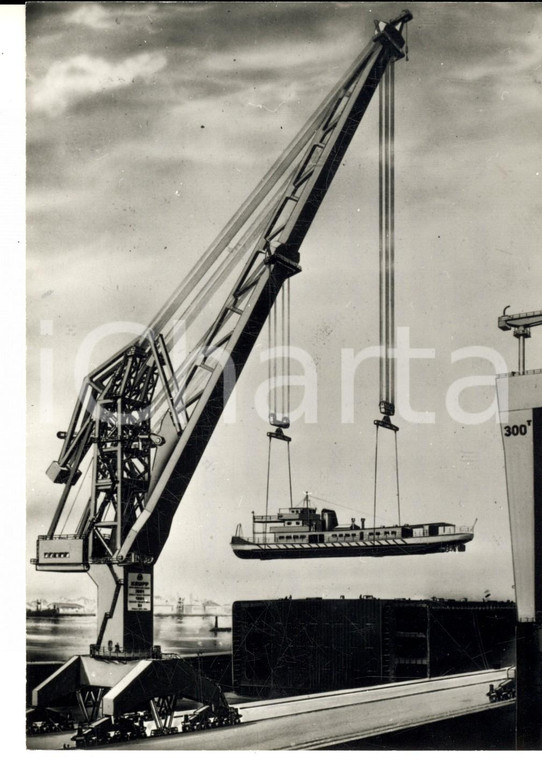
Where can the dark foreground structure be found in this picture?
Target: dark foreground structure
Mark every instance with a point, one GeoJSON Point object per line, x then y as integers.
{"type": "Point", "coordinates": [296, 646]}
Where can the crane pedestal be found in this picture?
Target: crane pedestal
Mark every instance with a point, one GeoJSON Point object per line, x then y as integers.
{"type": "Point", "coordinates": [111, 686]}
{"type": "Point", "coordinates": [125, 609]}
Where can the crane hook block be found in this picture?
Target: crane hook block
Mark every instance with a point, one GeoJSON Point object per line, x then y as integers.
{"type": "Point", "coordinates": [284, 422]}
{"type": "Point", "coordinates": [280, 435]}
{"type": "Point", "coordinates": [386, 423]}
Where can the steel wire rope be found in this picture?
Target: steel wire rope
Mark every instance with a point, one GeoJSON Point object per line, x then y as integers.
{"type": "Point", "coordinates": [381, 236]}
{"type": "Point", "coordinates": [333, 503]}
{"type": "Point", "coordinates": [288, 344]}
{"type": "Point", "coordinates": [397, 480]}
{"type": "Point", "coordinates": [320, 117]}
{"type": "Point", "coordinates": [235, 254]}
{"type": "Point", "coordinates": [76, 496]}
{"type": "Point", "coordinates": [375, 486]}
{"type": "Point", "coordinates": [269, 358]}
{"type": "Point", "coordinates": [274, 355]}
{"type": "Point", "coordinates": [193, 310]}
{"type": "Point", "coordinates": [255, 198]}
{"type": "Point", "coordinates": [392, 358]}
{"type": "Point", "coordinates": [283, 352]}
{"type": "Point", "coordinates": [386, 210]}
{"type": "Point", "coordinates": [386, 238]}
{"type": "Point", "coordinates": [267, 489]}
{"type": "Point", "coordinates": [290, 476]}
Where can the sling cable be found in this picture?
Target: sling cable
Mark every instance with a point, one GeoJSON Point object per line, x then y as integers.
{"type": "Point", "coordinates": [279, 332]}
{"type": "Point", "coordinates": [386, 134]}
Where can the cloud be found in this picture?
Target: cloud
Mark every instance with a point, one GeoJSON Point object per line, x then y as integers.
{"type": "Point", "coordinates": [92, 15]}
{"type": "Point", "coordinates": [75, 78]}
{"type": "Point", "coordinates": [109, 15]}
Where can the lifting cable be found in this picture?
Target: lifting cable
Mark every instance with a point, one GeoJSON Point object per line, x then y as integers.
{"type": "Point", "coordinates": [82, 480]}
{"type": "Point", "coordinates": [386, 213]}
{"type": "Point", "coordinates": [279, 359]}
{"type": "Point", "coordinates": [387, 241]}
{"type": "Point", "coordinates": [279, 323]}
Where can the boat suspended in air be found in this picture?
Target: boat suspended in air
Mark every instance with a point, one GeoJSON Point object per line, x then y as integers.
{"type": "Point", "coordinates": [303, 531]}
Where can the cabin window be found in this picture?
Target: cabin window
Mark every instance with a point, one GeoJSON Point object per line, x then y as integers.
{"type": "Point", "coordinates": [281, 538]}
{"type": "Point", "coordinates": [417, 532]}
{"type": "Point", "coordinates": [333, 535]}
{"type": "Point", "coordinates": [56, 555]}
{"type": "Point", "coordinates": [393, 532]}
{"type": "Point", "coordinates": [288, 538]}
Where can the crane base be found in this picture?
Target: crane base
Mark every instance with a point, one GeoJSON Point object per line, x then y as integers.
{"type": "Point", "coordinates": [120, 687]}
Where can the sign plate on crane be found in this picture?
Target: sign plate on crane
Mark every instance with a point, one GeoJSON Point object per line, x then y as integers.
{"type": "Point", "coordinates": [139, 592]}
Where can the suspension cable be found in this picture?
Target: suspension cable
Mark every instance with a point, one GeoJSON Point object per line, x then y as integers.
{"type": "Point", "coordinates": [290, 477]}
{"type": "Point", "coordinates": [397, 481]}
{"type": "Point", "coordinates": [279, 324]}
{"type": "Point", "coordinates": [386, 235]}
{"type": "Point", "coordinates": [375, 485]}
{"type": "Point", "coordinates": [274, 350]}
{"type": "Point", "coordinates": [267, 489]}
{"type": "Point", "coordinates": [386, 204]}
{"type": "Point", "coordinates": [288, 346]}
{"type": "Point", "coordinates": [284, 381]}
{"type": "Point", "coordinates": [381, 320]}
{"type": "Point", "coordinates": [386, 240]}
{"type": "Point", "coordinates": [82, 480]}
{"type": "Point", "coordinates": [392, 359]}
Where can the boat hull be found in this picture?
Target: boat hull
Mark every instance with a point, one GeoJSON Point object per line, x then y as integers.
{"type": "Point", "coordinates": [245, 549]}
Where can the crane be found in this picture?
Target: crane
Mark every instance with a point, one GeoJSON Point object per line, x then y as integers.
{"type": "Point", "coordinates": [143, 418]}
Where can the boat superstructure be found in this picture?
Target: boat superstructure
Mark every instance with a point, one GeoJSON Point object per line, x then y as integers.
{"type": "Point", "coordinates": [303, 531]}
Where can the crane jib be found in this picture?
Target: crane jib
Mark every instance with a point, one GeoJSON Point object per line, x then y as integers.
{"type": "Point", "coordinates": [141, 469]}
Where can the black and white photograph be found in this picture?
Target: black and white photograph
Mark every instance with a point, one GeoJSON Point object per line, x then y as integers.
{"type": "Point", "coordinates": [283, 363]}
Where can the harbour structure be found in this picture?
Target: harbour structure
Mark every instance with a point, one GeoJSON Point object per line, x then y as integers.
{"type": "Point", "coordinates": [519, 396]}
{"type": "Point", "coordinates": [141, 422]}
{"type": "Point", "coordinates": [293, 646]}
{"type": "Point", "coordinates": [302, 531]}
{"type": "Point", "coordinates": [39, 610]}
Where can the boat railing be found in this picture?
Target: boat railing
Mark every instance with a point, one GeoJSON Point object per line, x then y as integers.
{"type": "Point", "coordinates": [117, 653]}
{"type": "Point", "coordinates": [267, 518]}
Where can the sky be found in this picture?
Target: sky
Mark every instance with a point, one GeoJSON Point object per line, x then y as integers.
{"type": "Point", "coordinates": [148, 124]}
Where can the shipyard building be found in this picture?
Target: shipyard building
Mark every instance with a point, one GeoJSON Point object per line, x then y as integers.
{"type": "Point", "coordinates": [291, 646]}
